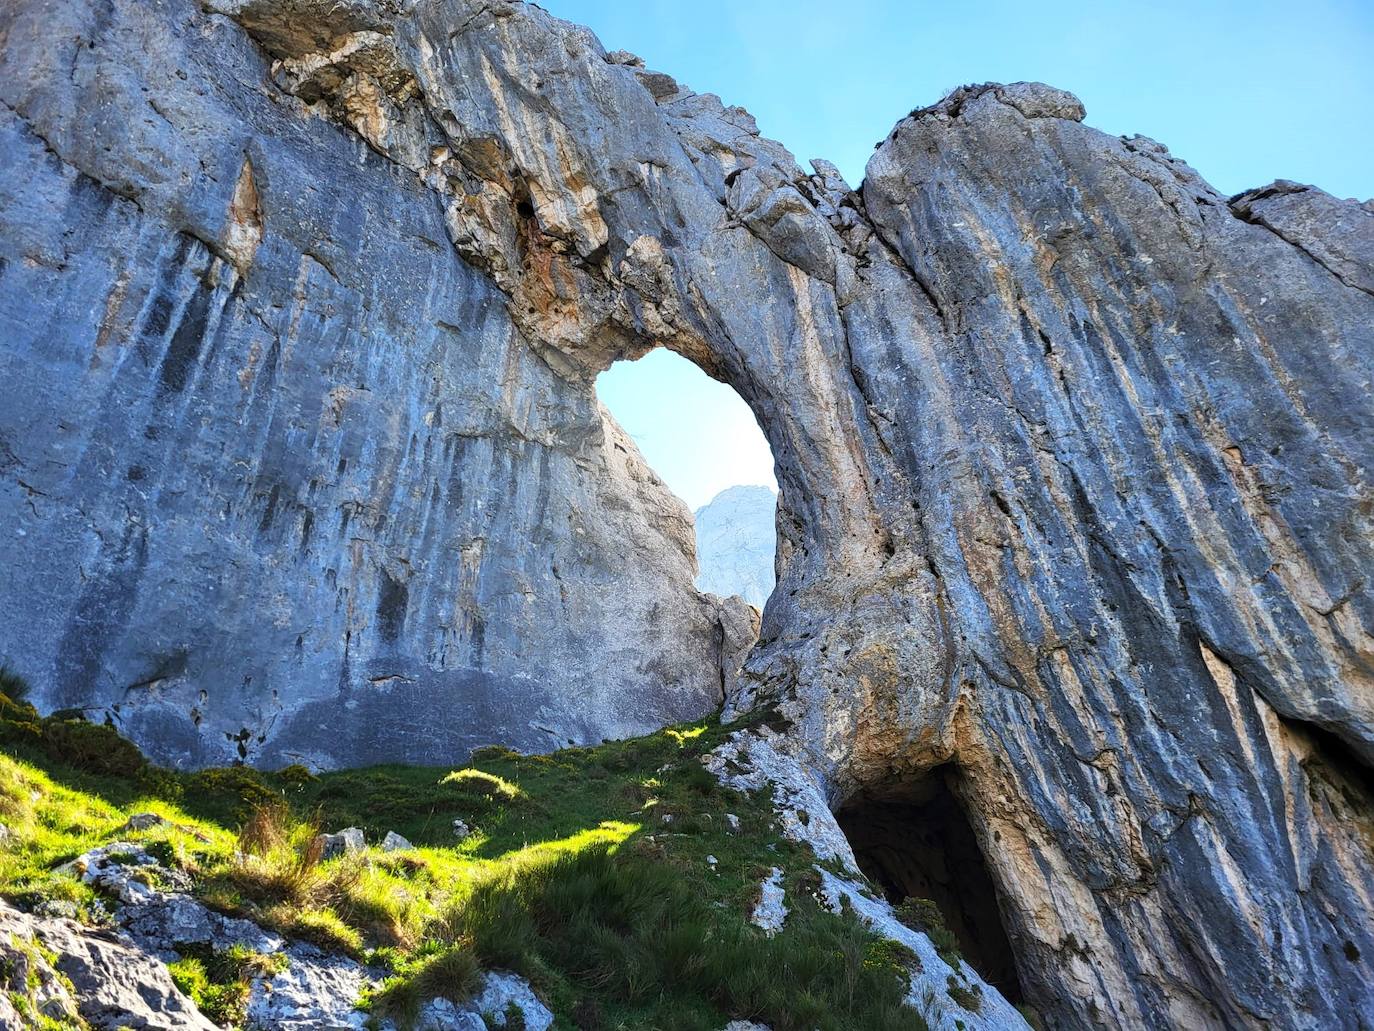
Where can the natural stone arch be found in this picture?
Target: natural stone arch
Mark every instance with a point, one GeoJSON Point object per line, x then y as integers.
{"type": "Point", "coordinates": [1060, 422]}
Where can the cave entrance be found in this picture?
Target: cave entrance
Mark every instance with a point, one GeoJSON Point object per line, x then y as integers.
{"type": "Point", "coordinates": [702, 440]}
{"type": "Point", "coordinates": [915, 842]}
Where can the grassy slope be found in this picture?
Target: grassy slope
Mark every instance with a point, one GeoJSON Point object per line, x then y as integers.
{"type": "Point", "coordinates": [587, 872]}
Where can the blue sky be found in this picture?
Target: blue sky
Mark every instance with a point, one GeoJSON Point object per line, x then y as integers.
{"type": "Point", "coordinates": [1245, 92]}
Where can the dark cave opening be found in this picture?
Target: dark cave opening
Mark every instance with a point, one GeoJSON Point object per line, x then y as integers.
{"type": "Point", "coordinates": [915, 841]}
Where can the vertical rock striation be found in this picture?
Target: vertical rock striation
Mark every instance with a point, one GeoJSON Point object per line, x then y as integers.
{"type": "Point", "coordinates": [1073, 454]}
{"type": "Point", "coordinates": [283, 480]}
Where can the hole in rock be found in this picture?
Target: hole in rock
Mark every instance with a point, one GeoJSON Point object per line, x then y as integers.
{"type": "Point", "coordinates": [704, 443]}
{"type": "Point", "coordinates": [913, 841]}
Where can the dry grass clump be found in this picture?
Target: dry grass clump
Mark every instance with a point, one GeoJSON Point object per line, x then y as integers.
{"type": "Point", "coordinates": [279, 876]}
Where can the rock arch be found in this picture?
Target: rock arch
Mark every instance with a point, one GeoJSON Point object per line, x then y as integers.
{"type": "Point", "coordinates": [1073, 460]}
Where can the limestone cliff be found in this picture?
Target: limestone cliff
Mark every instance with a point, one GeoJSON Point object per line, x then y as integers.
{"type": "Point", "coordinates": [283, 478]}
{"type": "Point", "coordinates": [302, 302]}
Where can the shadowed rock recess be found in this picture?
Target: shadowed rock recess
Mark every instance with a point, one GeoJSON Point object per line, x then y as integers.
{"type": "Point", "coordinates": [301, 304]}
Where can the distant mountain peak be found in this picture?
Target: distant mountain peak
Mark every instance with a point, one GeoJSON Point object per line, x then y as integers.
{"type": "Point", "coordinates": [736, 541]}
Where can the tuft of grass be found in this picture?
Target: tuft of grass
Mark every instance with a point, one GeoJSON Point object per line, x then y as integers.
{"type": "Point", "coordinates": [219, 983]}
{"type": "Point", "coordinates": [487, 785]}
{"type": "Point", "coordinates": [452, 972]}
{"type": "Point", "coordinates": [13, 687]}
{"type": "Point", "coordinates": [924, 915]}
{"type": "Point", "coordinates": [969, 998]}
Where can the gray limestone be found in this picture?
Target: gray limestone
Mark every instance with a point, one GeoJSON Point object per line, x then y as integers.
{"type": "Point", "coordinates": [282, 481]}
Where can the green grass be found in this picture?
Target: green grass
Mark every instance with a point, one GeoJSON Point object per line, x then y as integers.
{"type": "Point", "coordinates": [219, 983]}
{"type": "Point", "coordinates": [924, 915]}
{"type": "Point", "coordinates": [585, 872]}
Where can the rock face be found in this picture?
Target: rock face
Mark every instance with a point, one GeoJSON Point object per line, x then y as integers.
{"type": "Point", "coordinates": [283, 479]}
{"type": "Point", "coordinates": [736, 543]}
{"type": "Point", "coordinates": [104, 978]}
{"type": "Point", "coordinates": [301, 305]}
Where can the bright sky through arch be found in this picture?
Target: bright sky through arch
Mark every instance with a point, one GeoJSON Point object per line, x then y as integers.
{"type": "Point", "coordinates": [696, 433]}
{"type": "Point", "coordinates": [1245, 92]}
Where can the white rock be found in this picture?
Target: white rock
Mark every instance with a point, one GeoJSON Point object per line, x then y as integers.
{"type": "Point", "coordinates": [733, 821]}
{"type": "Point", "coordinates": [115, 983]}
{"type": "Point", "coordinates": [393, 842]}
{"type": "Point", "coordinates": [749, 761]}
{"type": "Point", "coordinates": [350, 839]}
{"type": "Point", "coordinates": [501, 989]}
{"type": "Point", "coordinates": [771, 911]}
{"type": "Point", "coordinates": [120, 868]}
{"type": "Point", "coordinates": [461, 830]}
{"type": "Point", "coordinates": [316, 992]}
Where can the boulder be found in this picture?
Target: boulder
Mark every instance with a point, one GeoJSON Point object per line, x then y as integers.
{"type": "Point", "coordinates": [394, 842]}
{"type": "Point", "coordinates": [350, 839]}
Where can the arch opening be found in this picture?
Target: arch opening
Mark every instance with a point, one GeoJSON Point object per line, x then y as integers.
{"type": "Point", "coordinates": [915, 842]}
{"type": "Point", "coordinates": [703, 441]}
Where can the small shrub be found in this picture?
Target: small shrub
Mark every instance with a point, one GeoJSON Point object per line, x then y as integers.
{"type": "Point", "coordinates": [240, 789]}
{"type": "Point", "coordinates": [969, 998]}
{"type": "Point", "coordinates": [485, 785]}
{"type": "Point", "coordinates": [296, 775]}
{"type": "Point", "coordinates": [92, 747]}
{"type": "Point", "coordinates": [492, 753]}
{"type": "Point", "coordinates": [12, 686]}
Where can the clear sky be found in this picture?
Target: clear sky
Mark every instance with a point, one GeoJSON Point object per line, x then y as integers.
{"type": "Point", "coordinates": [696, 433]}
{"type": "Point", "coordinates": [1246, 92]}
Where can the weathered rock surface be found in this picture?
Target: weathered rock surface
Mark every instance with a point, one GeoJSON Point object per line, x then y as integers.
{"type": "Point", "coordinates": [282, 480]}
{"type": "Point", "coordinates": [770, 912]}
{"type": "Point", "coordinates": [109, 982]}
{"type": "Point", "coordinates": [1074, 456]}
{"type": "Point", "coordinates": [736, 544]}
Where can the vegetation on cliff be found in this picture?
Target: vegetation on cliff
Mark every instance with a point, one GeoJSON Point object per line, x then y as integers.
{"type": "Point", "coordinates": [618, 879]}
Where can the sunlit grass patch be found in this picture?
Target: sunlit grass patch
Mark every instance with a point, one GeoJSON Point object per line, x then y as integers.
{"type": "Point", "coordinates": [685, 734]}
{"type": "Point", "coordinates": [586, 871]}
{"type": "Point", "coordinates": [482, 783]}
